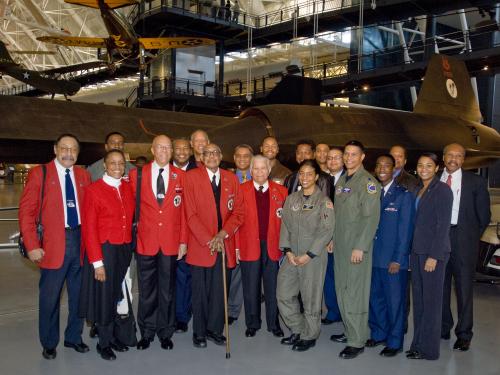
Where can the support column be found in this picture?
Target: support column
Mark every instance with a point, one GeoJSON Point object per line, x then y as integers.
{"type": "Point", "coordinates": [222, 50]}
{"type": "Point", "coordinates": [430, 37]}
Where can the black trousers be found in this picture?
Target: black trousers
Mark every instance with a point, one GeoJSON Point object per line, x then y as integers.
{"type": "Point", "coordinates": [427, 288]}
{"type": "Point", "coordinates": [461, 267]}
{"type": "Point", "coordinates": [156, 313]}
{"type": "Point", "coordinates": [263, 270]}
{"type": "Point", "coordinates": [208, 298]}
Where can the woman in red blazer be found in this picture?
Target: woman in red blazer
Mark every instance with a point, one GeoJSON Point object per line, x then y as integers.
{"type": "Point", "coordinates": [257, 244]}
{"type": "Point", "coordinates": [108, 212]}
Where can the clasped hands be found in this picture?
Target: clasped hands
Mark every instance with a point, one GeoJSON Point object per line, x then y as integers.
{"type": "Point", "coordinates": [216, 244]}
{"type": "Point", "coordinates": [301, 260]}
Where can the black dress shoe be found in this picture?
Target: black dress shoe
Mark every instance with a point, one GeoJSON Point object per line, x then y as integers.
{"type": "Point", "coordinates": [339, 338]}
{"type": "Point", "coordinates": [250, 332]}
{"type": "Point", "coordinates": [231, 320]}
{"type": "Point", "coordinates": [143, 344]}
{"type": "Point", "coordinates": [291, 340]}
{"type": "Point", "coordinates": [119, 347]}
{"type": "Point", "coordinates": [93, 331]}
{"type": "Point", "coordinates": [410, 351]}
{"type": "Point", "coordinates": [461, 345]}
{"type": "Point", "coordinates": [80, 348]}
{"type": "Point", "coordinates": [199, 341]}
{"type": "Point", "coordinates": [106, 353]}
{"type": "Point", "coordinates": [181, 327]}
{"type": "Point", "coordinates": [326, 322]}
{"type": "Point", "coordinates": [49, 353]}
{"type": "Point", "coordinates": [415, 355]}
{"type": "Point", "coordinates": [166, 343]}
{"type": "Point", "coordinates": [350, 352]}
{"type": "Point", "coordinates": [216, 338]}
{"type": "Point", "coordinates": [303, 345]}
{"type": "Point", "coordinates": [277, 332]}
{"type": "Point", "coordinates": [373, 343]}
{"type": "Point", "coordinates": [446, 336]}
{"type": "Point", "coordinates": [389, 352]}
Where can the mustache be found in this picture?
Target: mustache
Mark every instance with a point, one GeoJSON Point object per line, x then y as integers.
{"type": "Point", "coordinates": [68, 158]}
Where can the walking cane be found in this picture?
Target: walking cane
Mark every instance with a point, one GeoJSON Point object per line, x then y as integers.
{"type": "Point", "coordinates": [226, 320]}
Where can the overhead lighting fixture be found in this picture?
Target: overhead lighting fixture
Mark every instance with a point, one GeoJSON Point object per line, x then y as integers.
{"type": "Point", "coordinates": [486, 67]}
{"type": "Point", "coordinates": [366, 87]}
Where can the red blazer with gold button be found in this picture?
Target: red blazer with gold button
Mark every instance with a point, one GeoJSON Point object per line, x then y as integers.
{"type": "Point", "coordinates": [160, 227]}
{"type": "Point", "coordinates": [52, 212]}
{"type": "Point", "coordinates": [201, 215]}
{"type": "Point", "coordinates": [107, 217]}
{"type": "Point", "coordinates": [247, 237]}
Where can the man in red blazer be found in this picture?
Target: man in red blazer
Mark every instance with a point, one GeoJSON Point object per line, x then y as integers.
{"type": "Point", "coordinates": [214, 211]}
{"type": "Point", "coordinates": [161, 240]}
{"type": "Point", "coordinates": [257, 244]}
{"type": "Point", "coordinates": [58, 254]}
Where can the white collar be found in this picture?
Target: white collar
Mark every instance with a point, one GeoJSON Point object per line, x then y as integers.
{"type": "Point", "coordinates": [212, 174]}
{"type": "Point", "coordinates": [387, 187]}
{"type": "Point", "coordinates": [456, 174]}
{"type": "Point", "coordinates": [265, 185]}
{"type": "Point", "coordinates": [155, 167]}
{"type": "Point", "coordinates": [111, 181]}
{"type": "Point", "coordinates": [61, 168]}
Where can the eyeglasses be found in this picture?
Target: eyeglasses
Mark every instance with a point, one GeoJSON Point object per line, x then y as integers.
{"type": "Point", "coordinates": [68, 149]}
{"type": "Point", "coordinates": [163, 148]}
{"type": "Point", "coordinates": [334, 158]}
{"type": "Point", "coordinates": [211, 153]}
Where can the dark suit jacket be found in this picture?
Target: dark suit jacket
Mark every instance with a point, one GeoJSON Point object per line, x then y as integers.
{"type": "Point", "coordinates": [474, 213]}
{"type": "Point", "coordinates": [431, 236]}
{"type": "Point", "coordinates": [406, 180]}
{"type": "Point", "coordinates": [331, 179]}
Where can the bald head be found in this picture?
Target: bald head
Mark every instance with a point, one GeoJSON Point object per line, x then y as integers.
{"type": "Point", "coordinates": [199, 140]}
{"type": "Point", "coordinates": [453, 157]}
{"type": "Point", "coordinates": [162, 150]}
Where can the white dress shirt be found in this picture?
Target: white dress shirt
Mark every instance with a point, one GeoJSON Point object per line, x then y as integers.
{"type": "Point", "coordinates": [265, 185]}
{"type": "Point", "coordinates": [386, 188]}
{"type": "Point", "coordinates": [456, 188]}
{"type": "Point", "coordinates": [211, 175]}
{"type": "Point", "coordinates": [336, 176]}
{"type": "Point", "coordinates": [155, 170]}
{"type": "Point", "coordinates": [61, 173]}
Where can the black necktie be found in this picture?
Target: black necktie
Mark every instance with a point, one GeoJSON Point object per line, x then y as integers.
{"type": "Point", "coordinates": [214, 183]}
{"type": "Point", "coordinates": [71, 212]}
{"type": "Point", "coordinates": [160, 187]}
{"type": "Point", "coordinates": [261, 189]}
{"type": "Point", "coordinates": [382, 195]}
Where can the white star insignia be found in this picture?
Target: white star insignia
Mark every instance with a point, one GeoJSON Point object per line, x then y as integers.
{"type": "Point", "coordinates": [26, 75]}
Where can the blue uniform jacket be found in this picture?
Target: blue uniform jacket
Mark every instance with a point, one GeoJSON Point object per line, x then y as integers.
{"type": "Point", "coordinates": [395, 228]}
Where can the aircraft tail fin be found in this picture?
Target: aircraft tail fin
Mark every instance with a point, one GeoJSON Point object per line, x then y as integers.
{"type": "Point", "coordinates": [113, 4]}
{"type": "Point", "coordinates": [5, 55]}
{"type": "Point", "coordinates": [447, 90]}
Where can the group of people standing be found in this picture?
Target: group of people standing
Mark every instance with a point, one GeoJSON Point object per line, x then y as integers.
{"type": "Point", "coordinates": [330, 231]}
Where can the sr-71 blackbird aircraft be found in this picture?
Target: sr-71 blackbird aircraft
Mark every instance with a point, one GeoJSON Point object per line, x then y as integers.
{"type": "Point", "coordinates": [122, 42]}
{"type": "Point", "coordinates": [446, 111]}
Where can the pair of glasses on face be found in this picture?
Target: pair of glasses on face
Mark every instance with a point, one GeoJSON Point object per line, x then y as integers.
{"type": "Point", "coordinates": [211, 153]}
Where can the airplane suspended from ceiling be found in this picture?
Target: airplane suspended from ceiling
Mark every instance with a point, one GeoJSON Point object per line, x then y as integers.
{"type": "Point", "coordinates": [122, 43]}
{"type": "Point", "coordinates": [49, 81]}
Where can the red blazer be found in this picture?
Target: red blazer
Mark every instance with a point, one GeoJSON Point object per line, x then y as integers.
{"type": "Point", "coordinates": [52, 212]}
{"type": "Point", "coordinates": [201, 215]}
{"type": "Point", "coordinates": [247, 237]}
{"type": "Point", "coordinates": [107, 217]}
{"type": "Point", "coordinates": [160, 227]}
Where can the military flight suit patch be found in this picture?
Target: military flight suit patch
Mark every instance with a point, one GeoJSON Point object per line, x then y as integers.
{"type": "Point", "coordinates": [371, 188]}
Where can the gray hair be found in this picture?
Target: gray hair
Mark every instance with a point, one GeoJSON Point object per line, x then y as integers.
{"type": "Point", "coordinates": [261, 158]}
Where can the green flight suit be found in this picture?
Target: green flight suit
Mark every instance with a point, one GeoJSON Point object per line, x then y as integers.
{"type": "Point", "coordinates": [307, 227]}
{"type": "Point", "coordinates": [357, 212]}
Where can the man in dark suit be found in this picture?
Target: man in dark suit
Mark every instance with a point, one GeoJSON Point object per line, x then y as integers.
{"type": "Point", "coordinates": [470, 217]}
{"type": "Point", "coordinates": [58, 255]}
{"type": "Point", "coordinates": [182, 160]}
{"type": "Point", "coordinates": [401, 176]}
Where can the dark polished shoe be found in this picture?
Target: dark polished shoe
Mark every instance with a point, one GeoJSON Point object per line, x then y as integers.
{"type": "Point", "coordinates": [410, 351]}
{"type": "Point", "coordinates": [278, 332]}
{"type": "Point", "coordinates": [370, 343]}
{"type": "Point", "coordinates": [350, 352]}
{"type": "Point", "coordinates": [446, 336]}
{"type": "Point", "coordinates": [339, 338]}
{"type": "Point", "coordinates": [303, 345]}
{"type": "Point", "coordinates": [389, 352]}
{"type": "Point", "coordinates": [181, 327]}
{"type": "Point", "coordinates": [93, 331]}
{"type": "Point", "coordinates": [250, 332]}
{"type": "Point", "coordinates": [199, 341]}
{"type": "Point", "coordinates": [461, 345]}
{"type": "Point", "coordinates": [216, 338]}
{"type": "Point", "coordinates": [49, 353]}
{"type": "Point", "coordinates": [415, 355]}
{"type": "Point", "coordinates": [80, 348]}
{"type": "Point", "coordinates": [326, 322]}
{"type": "Point", "coordinates": [143, 344]}
{"type": "Point", "coordinates": [119, 347]}
{"type": "Point", "coordinates": [231, 320]}
{"type": "Point", "coordinates": [291, 340]}
{"type": "Point", "coordinates": [106, 353]}
{"type": "Point", "coordinates": [166, 343]}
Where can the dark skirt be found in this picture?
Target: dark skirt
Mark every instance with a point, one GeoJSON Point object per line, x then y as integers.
{"type": "Point", "coordinates": [98, 300]}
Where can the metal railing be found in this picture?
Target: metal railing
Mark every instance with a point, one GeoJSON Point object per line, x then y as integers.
{"type": "Point", "coordinates": [12, 244]}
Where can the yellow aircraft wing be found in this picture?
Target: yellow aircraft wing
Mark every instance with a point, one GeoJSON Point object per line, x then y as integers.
{"type": "Point", "coordinates": [74, 41]}
{"type": "Point", "coordinates": [113, 4]}
{"type": "Point", "coordinates": [175, 42]}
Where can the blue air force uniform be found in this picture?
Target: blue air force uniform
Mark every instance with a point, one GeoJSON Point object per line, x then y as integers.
{"type": "Point", "coordinates": [392, 244]}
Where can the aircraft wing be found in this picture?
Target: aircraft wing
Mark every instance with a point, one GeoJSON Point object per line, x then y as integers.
{"type": "Point", "coordinates": [74, 41]}
{"type": "Point", "coordinates": [113, 4]}
{"type": "Point", "coordinates": [176, 42]}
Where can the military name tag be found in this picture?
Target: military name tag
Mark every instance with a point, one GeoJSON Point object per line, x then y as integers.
{"type": "Point", "coordinates": [307, 207]}
{"type": "Point", "coordinates": [346, 190]}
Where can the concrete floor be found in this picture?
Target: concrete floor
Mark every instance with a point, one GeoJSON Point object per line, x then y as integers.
{"type": "Point", "coordinates": [20, 351]}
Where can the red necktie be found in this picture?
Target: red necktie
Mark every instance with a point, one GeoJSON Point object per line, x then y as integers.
{"type": "Point", "coordinates": [448, 181]}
